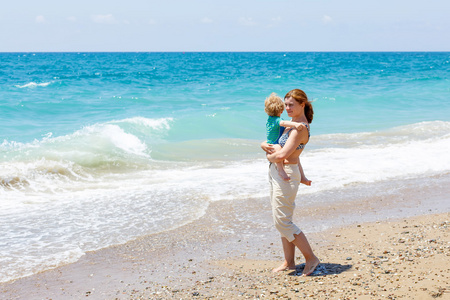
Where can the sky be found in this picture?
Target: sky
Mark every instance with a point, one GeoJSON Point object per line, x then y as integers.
{"type": "Point", "coordinates": [224, 25]}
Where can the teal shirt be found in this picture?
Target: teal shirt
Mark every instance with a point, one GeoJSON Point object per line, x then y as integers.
{"type": "Point", "coordinates": [273, 129]}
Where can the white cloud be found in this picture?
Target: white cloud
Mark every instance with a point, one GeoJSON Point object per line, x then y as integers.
{"type": "Point", "coordinates": [40, 19]}
{"type": "Point", "coordinates": [71, 19]}
{"type": "Point", "coordinates": [327, 19]}
{"type": "Point", "coordinates": [206, 20]}
{"type": "Point", "coordinates": [274, 22]}
{"type": "Point", "coordinates": [276, 19]}
{"type": "Point", "coordinates": [104, 19]}
{"type": "Point", "coordinates": [247, 21]}
{"type": "Point", "coordinates": [152, 22]}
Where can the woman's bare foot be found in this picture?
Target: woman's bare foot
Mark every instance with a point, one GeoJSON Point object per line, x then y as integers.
{"type": "Point", "coordinates": [306, 181]}
{"type": "Point", "coordinates": [310, 266]}
{"type": "Point", "coordinates": [284, 267]}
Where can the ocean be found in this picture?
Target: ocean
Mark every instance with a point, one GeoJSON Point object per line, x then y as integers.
{"type": "Point", "coordinates": [97, 149]}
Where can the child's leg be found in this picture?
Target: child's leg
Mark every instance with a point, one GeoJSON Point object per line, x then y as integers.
{"type": "Point", "coordinates": [282, 172]}
{"type": "Point", "coordinates": [280, 166]}
{"type": "Point", "coordinates": [303, 179]}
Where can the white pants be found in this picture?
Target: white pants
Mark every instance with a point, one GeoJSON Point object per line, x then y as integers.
{"type": "Point", "coordinates": [282, 199]}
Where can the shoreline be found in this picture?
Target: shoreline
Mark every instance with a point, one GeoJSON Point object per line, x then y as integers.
{"type": "Point", "coordinates": [233, 239]}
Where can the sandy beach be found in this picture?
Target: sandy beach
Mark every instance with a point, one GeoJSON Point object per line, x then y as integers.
{"type": "Point", "coordinates": [392, 245]}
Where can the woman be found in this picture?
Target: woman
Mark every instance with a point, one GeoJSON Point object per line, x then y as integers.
{"type": "Point", "coordinates": [283, 193]}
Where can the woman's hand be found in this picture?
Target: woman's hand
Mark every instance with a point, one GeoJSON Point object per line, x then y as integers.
{"type": "Point", "coordinates": [268, 148]}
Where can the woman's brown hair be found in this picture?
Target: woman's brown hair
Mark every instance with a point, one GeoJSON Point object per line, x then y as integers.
{"type": "Point", "coordinates": [300, 96]}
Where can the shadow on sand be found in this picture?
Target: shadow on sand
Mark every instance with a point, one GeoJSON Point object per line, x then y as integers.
{"type": "Point", "coordinates": [322, 270]}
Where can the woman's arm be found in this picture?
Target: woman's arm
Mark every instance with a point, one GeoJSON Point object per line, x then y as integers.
{"type": "Point", "coordinates": [293, 141]}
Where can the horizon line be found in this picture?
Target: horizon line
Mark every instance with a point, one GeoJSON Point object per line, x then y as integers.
{"type": "Point", "coordinates": [257, 51]}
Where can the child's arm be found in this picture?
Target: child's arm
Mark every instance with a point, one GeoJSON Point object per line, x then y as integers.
{"type": "Point", "coordinates": [298, 126]}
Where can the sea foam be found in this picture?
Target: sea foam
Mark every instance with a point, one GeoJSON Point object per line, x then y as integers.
{"type": "Point", "coordinates": [83, 204]}
{"type": "Point", "coordinates": [33, 85]}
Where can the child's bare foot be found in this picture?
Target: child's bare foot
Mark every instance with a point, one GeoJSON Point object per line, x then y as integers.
{"type": "Point", "coordinates": [284, 267]}
{"type": "Point", "coordinates": [310, 266]}
{"type": "Point", "coordinates": [306, 181]}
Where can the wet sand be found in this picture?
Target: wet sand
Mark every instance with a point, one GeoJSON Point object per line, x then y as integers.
{"type": "Point", "coordinates": [392, 243]}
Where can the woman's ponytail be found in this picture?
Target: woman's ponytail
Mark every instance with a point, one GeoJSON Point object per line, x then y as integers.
{"type": "Point", "coordinates": [309, 112]}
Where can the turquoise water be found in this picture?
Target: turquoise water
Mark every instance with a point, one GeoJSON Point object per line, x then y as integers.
{"type": "Point", "coordinates": [208, 93]}
{"type": "Point", "coordinates": [92, 143]}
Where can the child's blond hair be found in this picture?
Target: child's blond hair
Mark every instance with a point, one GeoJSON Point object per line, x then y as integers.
{"type": "Point", "coordinates": [274, 106]}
